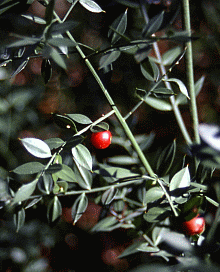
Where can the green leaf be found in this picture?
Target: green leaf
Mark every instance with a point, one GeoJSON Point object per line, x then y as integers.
{"type": "Point", "coordinates": [158, 104]}
{"type": "Point", "coordinates": [123, 160]}
{"type": "Point", "coordinates": [19, 218]}
{"type": "Point", "coordinates": [66, 174]}
{"type": "Point", "coordinates": [60, 28]}
{"type": "Point", "coordinates": [29, 168]}
{"type": "Point", "coordinates": [54, 143]}
{"type": "Point", "coordinates": [54, 209]}
{"type": "Point", "coordinates": [34, 18]}
{"type": "Point", "coordinates": [56, 56]}
{"type": "Point", "coordinates": [24, 42]}
{"type": "Point", "coordinates": [80, 118]}
{"type": "Point", "coordinates": [155, 214]}
{"type": "Point", "coordinates": [79, 207]}
{"type": "Point", "coordinates": [153, 25]}
{"type": "Point", "coordinates": [112, 174]}
{"type": "Point", "coordinates": [83, 176]}
{"type": "Point", "coordinates": [36, 147]}
{"type": "Point", "coordinates": [54, 168]}
{"type": "Point", "coordinates": [150, 70]}
{"type": "Point", "coordinates": [118, 27]}
{"type": "Point", "coordinates": [108, 58]}
{"type": "Point", "coordinates": [165, 159]}
{"type": "Point", "coordinates": [162, 92]}
{"type": "Point", "coordinates": [59, 42]}
{"type": "Point", "coordinates": [180, 180]}
{"type": "Point", "coordinates": [170, 56]}
{"type": "Point", "coordinates": [153, 194]}
{"type": "Point", "coordinates": [73, 141]}
{"type": "Point", "coordinates": [64, 122]}
{"type": "Point", "coordinates": [181, 85]}
{"type": "Point", "coordinates": [46, 70]}
{"type": "Point", "coordinates": [102, 126]}
{"type": "Point", "coordinates": [45, 184]}
{"type": "Point", "coordinates": [4, 9]}
{"type": "Point", "coordinates": [131, 249]}
{"type": "Point", "coordinates": [144, 247]}
{"type": "Point", "coordinates": [25, 191]}
{"type": "Point", "coordinates": [109, 195]}
{"type": "Point", "coordinates": [90, 5]}
{"type": "Point", "coordinates": [82, 155]}
{"type": "Point", "coordinates": [107, 224]}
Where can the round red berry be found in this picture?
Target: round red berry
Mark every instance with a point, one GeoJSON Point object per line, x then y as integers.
{"type": "Point", "coordinates": [194, 226]}
{"type": "Point", "coordinates": [101, 140]}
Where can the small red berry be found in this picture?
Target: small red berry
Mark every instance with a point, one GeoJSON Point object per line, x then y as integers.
{"type": "Point", "coordinates": [101, 140]}
{"type": "Point", "coordinates": [194, 226]}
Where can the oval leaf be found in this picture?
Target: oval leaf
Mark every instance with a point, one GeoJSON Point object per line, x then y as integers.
{"type": "Point", "coordinates": [158, 104]}
{"type": "Point", "coordinates": [25, 191]}
{"type": "Point", "coordinates": [82, 155]}
{"type": "Point", "coordinates": [79, 207]}
{"type": "Point", "coordinates": [119, 25]}
{"type": "Point", "coordinates": [108, 58]}
{"type": "Point", "coordinates": [80, 118]}
{"type": "Point", "coordinates": [66, 174]}
{"type": "Point", "coordinates": [91, 6]}
{"type": "Point", "coordinates": [36, 147]}
{"type": "Point", "coordinates": [29, 168]}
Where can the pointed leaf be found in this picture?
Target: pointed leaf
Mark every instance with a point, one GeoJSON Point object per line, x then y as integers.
{"type": "Point", "coordinates": [146, 248]}
{"type": "Point", "coordinates": [83, 175]}
{"type": "Point", "coordinates": [181, 85]}
{"type": "Point", "coordinates": [56, 56]}
{"type": "Point", "coordinates": [108, 58]}
{"type": "Point", "coordinates": [29, 168]}
{"type": "Point", "coordinates": [54, 209]}
{"type": "Point", "coordinates": [170, 56]}
{"type": "Point", "coordinates": [109, 196]}
{"type": "Point", "coordinates": [107, 224]}
{"type": "Point", "coordinates": [80, 118]}
{"type": "Point", "coordinates": [19, 219]}
{"type": "Point", "coordinates": [25, 191]}
{"type": "Point", "coordinates": [131, 249]}
{"type": "Point", "coordinates": [150, 70]}
{"type": "Point", "coordinates": [119, 25]}
{"type": "Point", "coordinates": [36, 147]}
{"type": "Point", "coordinates": [79, 207]}
{"type": "Point", "coordinates": [82, 155]}
{"type": "Point", "coordinates": [59, 42]}
{"type": "Point", "coordinates": [66, 174]}
{"type": "Point", "coordinates": [153, 25]}
{"type": "Point", "coordinates": [90, 5]}
{"type": "Point", "coordinates": [180, 180]}
{"type": "Point", "coordinates": [54, 143]}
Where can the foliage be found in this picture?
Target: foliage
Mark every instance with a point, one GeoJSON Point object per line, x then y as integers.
{"type": "Point", "coordinates": [148, 193]}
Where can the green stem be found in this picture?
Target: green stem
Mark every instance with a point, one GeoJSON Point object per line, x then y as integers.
{"type": "Point", "coordinates": [112, 104]}
{"type": "Point", "coordinates": [175, 107]}
{"type": "Point", "coordinates": [190, 72]}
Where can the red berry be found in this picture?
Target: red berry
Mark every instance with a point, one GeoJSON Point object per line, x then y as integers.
{"type": "Point", "coordinates": [101, 140]}
{"type": "Point", "coordinates": [194, 226]}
